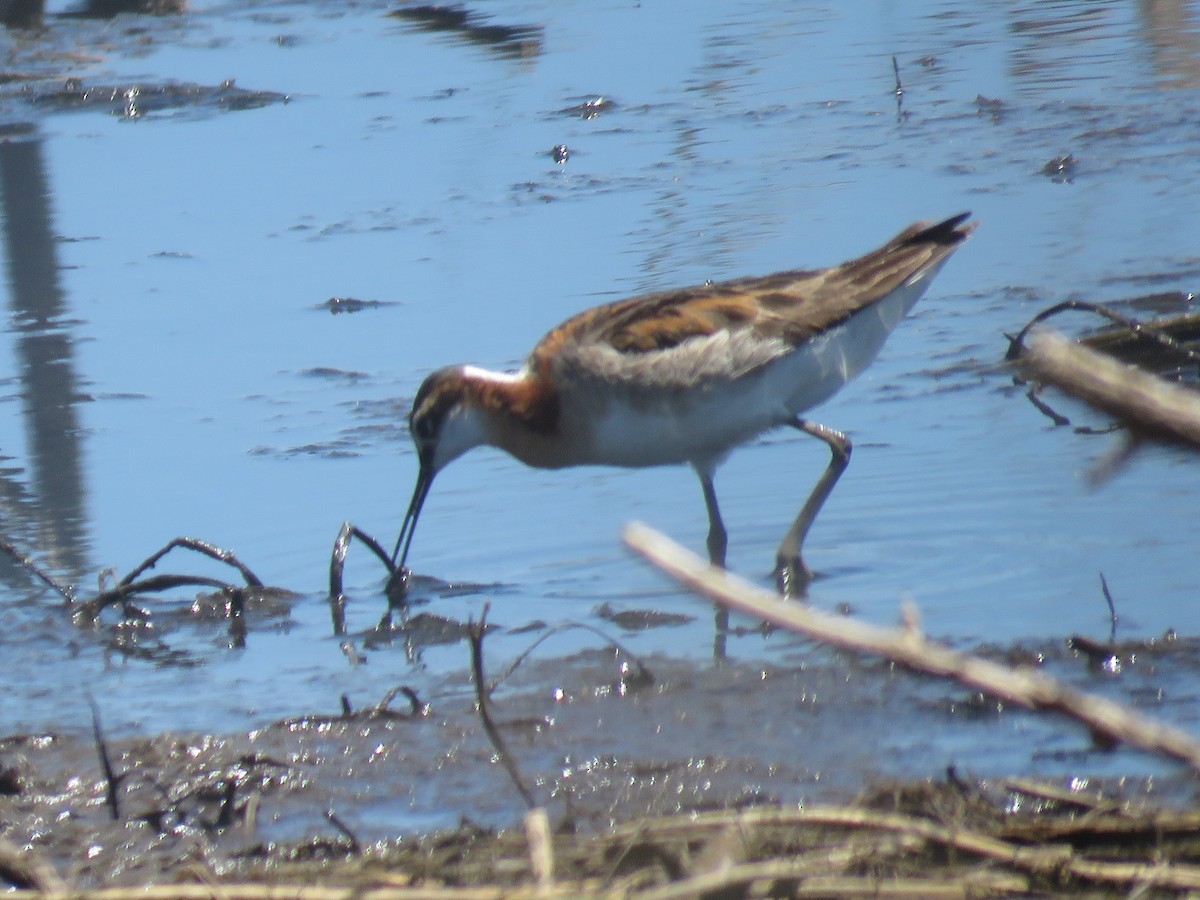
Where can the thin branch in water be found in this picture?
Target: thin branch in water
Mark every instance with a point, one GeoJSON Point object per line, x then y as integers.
{"type": "Point", "coordinates": [1150, 331]}
{"type": "Point", "coordinates": [199, 546]}
{"type": "Point", "coordinates": [228, 811]}
{"type": "Point", "coordinates": [237, 618]}
{"type": "Point", "coordinates": [89, 610]}
{"type": "Point", "coordinates": [1045, 408]}
{"type": "Point", "coordinates": [417, 707]}
{"type": "Point", "coordinates": [476, 632]}
{"type": "Point", "coordinates": [898, 92]}
{"type": "Point", "coordinates": [344, 830]}
{"type": "Point", "coordinates": [111, 778]}
{"type": "Point", "coordinates": [644, 675]}
{"type": "Point", "coordinates": [1112, 610]}
{"type": "Point", "coordinates": [380, 710]}
{"type": "Point", "coordinates": [337, 568]}
{"type": "Point", "coordinates": [27, 562]}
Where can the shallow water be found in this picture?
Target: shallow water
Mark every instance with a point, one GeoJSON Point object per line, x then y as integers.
{"type": "Point", "coordinates": [175, 368]}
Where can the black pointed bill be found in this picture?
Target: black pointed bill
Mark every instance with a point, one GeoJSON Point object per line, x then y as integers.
{"type": "Point", "coordinates": [420, 492]}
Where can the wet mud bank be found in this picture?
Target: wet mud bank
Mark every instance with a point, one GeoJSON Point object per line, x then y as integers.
{"type": "Point", "coordinates": [613, 751]}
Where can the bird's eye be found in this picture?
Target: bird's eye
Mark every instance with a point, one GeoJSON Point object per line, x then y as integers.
{"type": "Point", "coordinates": [424, 428]}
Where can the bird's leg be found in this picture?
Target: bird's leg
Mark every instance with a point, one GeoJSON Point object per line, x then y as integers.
{"type": "Point", "coordinates": [791, 574]}
{"type": "Point", "coordinates": [718, 540]}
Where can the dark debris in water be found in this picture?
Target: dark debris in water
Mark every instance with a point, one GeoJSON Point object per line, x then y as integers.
{"type": "Point", "coordinates": [461, 23]}
{"type": "Point", "coordinates": [142, 99]}
{"type": "Point", "coordinates": [1182, 328]}
{"type": "Point", "coordinates": [1061, 169]}
{"type": "Point", "coordinates": [589, 108]}
{"type": "Point", "coordinates": [108, 9]}
{"type": "Point", "coordinates": [338, 305]}
{"type": "Point", "coordinates": [1159, 332]}
{"type": "Point", "coordinates": [992, 107]}
{"type": "Point", "coordinates": [640, 619]}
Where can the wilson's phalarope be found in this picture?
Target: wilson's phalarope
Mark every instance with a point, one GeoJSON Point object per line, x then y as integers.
{"type": "Point", "coordinates": [685, 376]}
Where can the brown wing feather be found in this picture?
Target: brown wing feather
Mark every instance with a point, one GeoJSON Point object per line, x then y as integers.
{"type": "Point", "coordinates": [792, 305]}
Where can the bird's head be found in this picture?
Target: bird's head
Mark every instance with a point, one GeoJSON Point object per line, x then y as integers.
{"type": "Point", "coordinates": [445, 422]}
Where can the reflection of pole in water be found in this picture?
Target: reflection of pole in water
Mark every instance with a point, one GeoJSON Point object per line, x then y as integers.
{"type": "Point", "coordinates": [54, 519]}
{"type": "Point", "coordinates": [22, 13]}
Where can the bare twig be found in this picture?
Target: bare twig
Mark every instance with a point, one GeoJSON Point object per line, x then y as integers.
{"type": "Point", "coordinates": [644, 675]}
{"type": "Point", "coordinates": [204, 547]}
{"type": "Point", "coordinates": [417, 707]}
{"type": "Point", "coordinates": [898, 92]}
{"type": "Point", "coordinates": [335, 820]}
{"type": "Point", "coordinates": [90, 609]}
{"type": "Point", "coordinates": [1108, 721]}
{"type": "Point", "coordinates": [228, 810]}
{"type": "Point", "coordinates": [237, 617]}
{"type": "Point", "coordinates": [111, 779]}
{"type": "Point", "coordinates": [1160, 332]}
{"type": "Point", "coordinates": [1112, 610]}
{"type": "Point", "coordinates": [476, 631]}
{"type": "Point", "coordinates": [29, 563]}
{"type": "Point", "coordinates": [395, 589]}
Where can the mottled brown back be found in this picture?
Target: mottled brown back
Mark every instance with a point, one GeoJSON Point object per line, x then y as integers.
{"type": "Point", "coordinates": [792, 306]}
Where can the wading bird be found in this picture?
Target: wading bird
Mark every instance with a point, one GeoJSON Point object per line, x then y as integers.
{"type": "Point", "coordinates": [685, 376]}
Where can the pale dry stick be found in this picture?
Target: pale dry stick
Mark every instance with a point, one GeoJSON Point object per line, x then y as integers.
{"type": "Point", "coordinates": [907, 646]}
{"type": "Point", "coordinates": [1065, 796]}
{"type": "Point", "coordinates": [1149, 405]}
{"type": "Point", "coordinates": [541, 847]}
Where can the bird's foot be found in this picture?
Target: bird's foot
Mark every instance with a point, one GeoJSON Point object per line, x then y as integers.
{"type": "Point", "coordinates": [396, 589]}
{"type": "Point", "coordinates": [793, 577]}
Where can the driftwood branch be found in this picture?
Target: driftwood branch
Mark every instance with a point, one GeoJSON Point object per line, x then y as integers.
{"type": "Point", "coordinates": [1150, 406]}
{"type": "Point", "coordinates": [1108, 721]}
